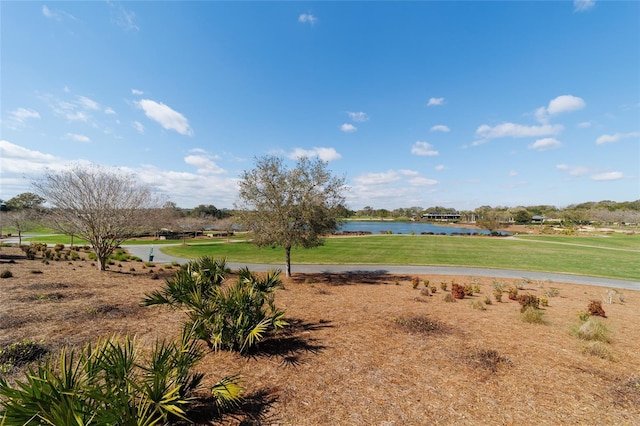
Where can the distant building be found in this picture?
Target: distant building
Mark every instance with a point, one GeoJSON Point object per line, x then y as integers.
{"type": "Point", "coordinates": [442, 217]}
{"type": "Point", "coordinates": [538, 219]}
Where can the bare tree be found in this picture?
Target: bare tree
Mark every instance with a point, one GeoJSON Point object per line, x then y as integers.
{"type": "Point", "coordinates": [104, 206]}
{"type": "Point", "coordinates": [20, 221]}
{"type": "Point", "coordinates": [491, 220]}
{"type": "Point", "coordinates": [288, 208]}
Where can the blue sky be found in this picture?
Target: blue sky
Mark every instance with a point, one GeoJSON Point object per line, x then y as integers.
{"type": "Point", "coordinates": [459, 104]}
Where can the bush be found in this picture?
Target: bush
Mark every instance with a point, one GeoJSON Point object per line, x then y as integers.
{"type": "Point", "coordinates": [476, 304]}
{"type": "Point", "coordinates": [448, 298]}
{"type": "Point", "coordinates": [544, 301]}
{"type": "Point", "coordinates": [532, 315]}
{"type": "Point", "coordinates": [234, 317]}
{"type": "Point", "coordinates": [415, 282]}
{"type": "Point", "coordinates": [528, 300]}
{"type": "Point", "coordinates": [595, 309]}
{"type": "Point", "coordinates": [110, 383]}
{"type": "Point", "coordinates": [6, 274]}
{"type": "Point", "coordinates": [593, 330]}
{"type": "Point", "coordinates": [19, 354]}
{"type": "Point", "coordinates": [457, 291]}
{"type": "Point", "coordinates": [443, 285]}
{"type": "Point", "coordinates": [513, 293]}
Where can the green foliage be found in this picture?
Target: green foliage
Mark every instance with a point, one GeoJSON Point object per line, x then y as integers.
{"type": "Point", "coordinates": [109, 383]}
{"type": "Point", "coordinates": [234, 317]}
{"type": "Point", "coordinates": [532, 316]}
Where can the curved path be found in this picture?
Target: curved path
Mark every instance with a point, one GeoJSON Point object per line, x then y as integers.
{"type": "Point", "coordinates": [142, 252]}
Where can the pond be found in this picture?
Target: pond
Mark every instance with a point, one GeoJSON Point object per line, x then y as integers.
{"type": "Point", "coordinates": [382, 227]}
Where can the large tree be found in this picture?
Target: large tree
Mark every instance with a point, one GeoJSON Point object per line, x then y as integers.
{"type": "Point", "coordinates": [289, 207]}
{"type": "Point", "coordinates": [104, 206]}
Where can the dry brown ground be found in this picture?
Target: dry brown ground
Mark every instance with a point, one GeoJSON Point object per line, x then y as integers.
{"type": "Point", "coordinates": [347, 361]}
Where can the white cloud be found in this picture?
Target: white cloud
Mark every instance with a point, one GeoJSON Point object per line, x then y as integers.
{"type": "Point", "coordinates": [88, 103]}
{"type": "Point", "coordinates": [138, 126]}
{"type": "Point", "coordinates": [204, 164]}
{"type": "Point", "coordinates": [608, 176]}
{"type": "Point", "coordinates": [440, 167]}
{"type": "Point", "coordinates": [422, 181]}
{"type": "Point", "coordinates": [76, 116]}
{"type": "Point", "coordinates": [165, 116]}
{"type": "Point", "coordinates": [585, 124]}
{"type": "Point", "coordinates": [545, 144]}
{"type": "Point", "coordinates": [583, 5]}
{"type": "Point", "coordinates": [423, 149]}
{"type": "Point", "coordinates": [358, 117]}
{"type": "Point", "coordinates": [77, 137]}
{"type": "Point", "coordinates": [122, 17]}
{"type": "Point", "coordinates": [513, 173]}
{"type": "Point", "coordinates": [512, 130]}
{"type": "Point", "coordinates": [18, 118]}
{"type": "Point", "coordinates": [616, 137]}
{"type": "Point", "coordinates": [440, 128]}
{"type": "Point", "coordinates": [435, 102]}
{"type": "Point", "coordinates": [377, 178]}
{"type": "Point", "coordinates": [19, 160]}
{"type": "Point", "coordinates": [573, 170]}
{"type": "Point", "coordinates": [559, 105]}
{"type": "Point", "coordinates": [307, 18]}
{"type": "Point", "coordinates": [325, 154]}
{"type": "Point", "coordinates": [109, 111]}
{"type": "Point", "coordinates": [348, 128]}
{"type": "Point", "coordinates": [57, 15]}
{"type": "Point", "coordinates": [565, 103]}
{"type": "Point", "coordinates": [137, 92]}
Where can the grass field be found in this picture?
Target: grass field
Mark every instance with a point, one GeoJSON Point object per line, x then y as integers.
{"type": "Point", "coordinates": [614, 257]}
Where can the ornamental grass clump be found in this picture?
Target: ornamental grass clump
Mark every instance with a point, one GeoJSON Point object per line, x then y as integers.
{"type": "Point", "coordinates": [234, 317]}
{"type": "Point", "coordinates": [593, 330]}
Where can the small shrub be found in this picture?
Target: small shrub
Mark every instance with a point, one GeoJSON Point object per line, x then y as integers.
{"type": "Point", "coordinates": [598, 349]}
{"type": "Point", "coordinates": [468, 290]}
{"type": "Point", "coordinates": [426, 283]}
{"type": "Point", "coordinates": [476, 304]}
{"type": "Point", "coordinates": [476, 288]}
{"type": "Point", "coordinates": [593, 330]}
{"type": "Point", "coordinates": [595, 309]}
{"type": "Point", "coordinates": [488, 359]}
{"type": "Point", "coordinates": [6, 273]}
{"type": "Point", "coordinates": [443, 285]}
{"type": "Point", "coordinates": [552, 292]}
{"type": "Point", "coordinates": [487, 300]}
{"type": "Point", "coordinates": [497, 294]}
{"type": "Point", "coordinates": [457, 291]}
{"type": "Point", "coordinates": [528, 300]}
{"type": "Point", "coordinates": [425, 292]}
{"type": "Point", "coordinates": [448, 298]}
{"type": "Point", "coordinates": [544, 301]}
{"type": "Point", "coordinates": [58, 247]}
{"type": "Point", "coordinates": [433, 289]}
{"type": "Point", "coordinates": [417, 324]}
{"type": "Point", "coordinates": [415, 282]}
{"type": "Point", "coordinates": [611, 294]}
{"type": "Point", "coordinates": [532, 316]}
{"type": "Point", "coordinates": [583, 316]}
{"type": "Point", "coordinates": [513, 293]}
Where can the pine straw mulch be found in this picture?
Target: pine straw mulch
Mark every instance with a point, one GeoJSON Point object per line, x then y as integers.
{"type": "Point", "coordinates": [360, 349]}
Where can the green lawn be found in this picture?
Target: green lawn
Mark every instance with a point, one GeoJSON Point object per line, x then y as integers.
{"type": "Point", "coordinates": [445, 250]}
{"type": "Point", "coordinates": [614, 240]}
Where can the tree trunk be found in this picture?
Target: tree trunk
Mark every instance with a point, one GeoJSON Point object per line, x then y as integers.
{"type": "Point", "coordinates": [102, 263]}
{"type": "Point", "coordinates": [287, 251]}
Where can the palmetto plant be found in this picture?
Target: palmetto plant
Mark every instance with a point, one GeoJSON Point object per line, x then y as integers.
{"type": "Point", "coordinates": [235, 316]}
{"type": "Point", "coordinates": [110, 383]}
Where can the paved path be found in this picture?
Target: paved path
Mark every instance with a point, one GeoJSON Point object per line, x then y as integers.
{"type": "Point", "coordinates": [142, 251]}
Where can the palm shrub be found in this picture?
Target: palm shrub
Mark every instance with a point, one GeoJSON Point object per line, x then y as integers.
{"type": "Point", "coordinates": [111, 383]}
{"type": "Point", "coordinates": [234, 317]}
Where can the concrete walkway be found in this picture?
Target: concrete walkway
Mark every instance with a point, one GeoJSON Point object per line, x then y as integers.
{"type": "Point", "coordinates": [142, 252]}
